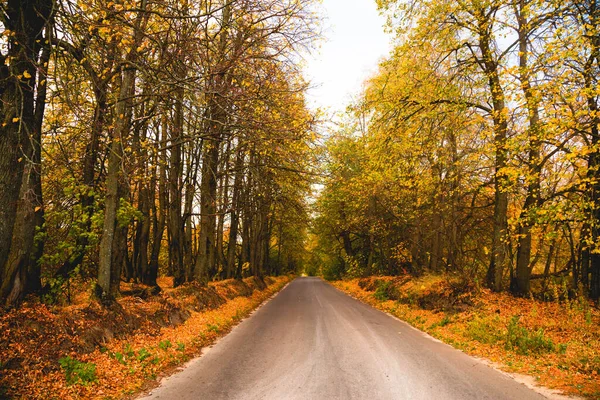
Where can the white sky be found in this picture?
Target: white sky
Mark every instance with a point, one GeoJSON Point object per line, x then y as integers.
{"type": "Point", "coordinates": [354, 42]}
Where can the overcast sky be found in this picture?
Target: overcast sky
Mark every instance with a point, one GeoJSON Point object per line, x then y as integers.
{"type": "Point", "coordinates": [354, 42]}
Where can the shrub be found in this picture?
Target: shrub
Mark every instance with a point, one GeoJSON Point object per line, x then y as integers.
{"type": "Point", "coordinates": [521, 340]}
{"type": "Point", "coordinates": [128, 350]}
{"type": "Point", "coordinates": [332, 272]}
{"type": "Point", "coordinates": [119, 357]}
{"type": "Point", "coordinates": [77, 371]}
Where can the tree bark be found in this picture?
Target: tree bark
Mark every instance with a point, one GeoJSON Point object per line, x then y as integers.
{"type": "Point", "coordinates": [532, 200]}
{"type": "Point", "coordinates": [175, 195]}
{"type": "Point", "coordinates": [217, 119]}
{"type": "Point", "coordinates": [113, 237]}
{"type": "Point", "coordinates": [235, 214]}
{"type": "Point", "coordinates": [498, 259]}
{"type": "Point", "coordinates": [19, 80]}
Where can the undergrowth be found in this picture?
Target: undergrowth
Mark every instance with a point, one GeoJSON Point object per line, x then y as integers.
{"type": "Point", "coordinates": [77, 372]}
{"type": "Point", "coordinates": [523, 341]}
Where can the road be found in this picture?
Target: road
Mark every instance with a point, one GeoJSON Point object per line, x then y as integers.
{"type": "Point", "coordinates": [312, 341]}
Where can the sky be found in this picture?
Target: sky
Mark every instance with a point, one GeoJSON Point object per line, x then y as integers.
{"type": "Point", "coordinates": [354, 42]}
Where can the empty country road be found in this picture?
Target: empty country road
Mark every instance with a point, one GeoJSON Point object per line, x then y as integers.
{"type": "Point", "coordinates": [311, 341]}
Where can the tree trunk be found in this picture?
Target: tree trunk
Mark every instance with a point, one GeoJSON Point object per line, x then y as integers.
{"type": "Point", "coordinates": [217, 119]}
{"type": "Point", "coordinates": [111, 244]}
{"type": "Point", "coordinates": [18, 82]}
{"type": "Point", "coordinates": [532, 200]}
{"type": "Point", "coordinates": [188, 232]}
{"type": "Point", "coordinates": [235, 213]}
{"type": "Point", "coordinates": [26, 250]}
{"type": "Point", "coordinates": [175, 195]}
{"type": "Point", "coordinates": [590, 77]}
{"type": "Point", "coordinates": [159, 217]}
{"type": "Point", "coordinates": [498, 259]}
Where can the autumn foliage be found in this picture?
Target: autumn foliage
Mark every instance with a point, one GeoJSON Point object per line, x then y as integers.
{"type": "Point", "coordinates": [556, 342]}
{"type": "Point", "coordinates": [85, 350]}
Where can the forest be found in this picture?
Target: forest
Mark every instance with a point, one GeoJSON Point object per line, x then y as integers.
{"type": "Point", "coordinates": [473, 150]}
{"type": "Point", "coordinates": [148, 138]}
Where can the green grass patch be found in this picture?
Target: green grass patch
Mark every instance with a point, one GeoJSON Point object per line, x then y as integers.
{"type": "Point", "coordinates": [164, 344]}
{"type": "Point", "coordinates": [77, 372]}
{"type": "Point", "coordinates": [483, 330]}
{"type": "Point", "coordinates": [386, 291]}
{"type": "Point", "coordinates": [523, 341]}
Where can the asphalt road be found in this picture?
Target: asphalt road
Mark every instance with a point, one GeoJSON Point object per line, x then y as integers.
{"type": "Point", "coordinates": [313, 342]}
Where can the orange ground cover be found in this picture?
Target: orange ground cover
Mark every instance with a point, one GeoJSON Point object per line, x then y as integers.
{"type": "Point", "coordinates": [130, 345]}
{"type": "Point", "coordinates": [477, 321]}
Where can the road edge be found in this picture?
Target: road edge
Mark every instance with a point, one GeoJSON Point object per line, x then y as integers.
{"type": "Point", "coordinates": [167, 374]}
{"type": "Point", "coordinates": [526, 380]}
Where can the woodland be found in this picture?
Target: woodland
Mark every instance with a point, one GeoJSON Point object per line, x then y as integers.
{"type": "Point", "coordinates": [148, 138]}
{"type": "Point", "coordinates": [474, 150]}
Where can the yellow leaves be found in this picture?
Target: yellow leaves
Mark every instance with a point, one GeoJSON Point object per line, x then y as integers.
{"type": "Point", "coordinates": [16, 119]}
{"type": "Point", "coordinates": [26, 74]}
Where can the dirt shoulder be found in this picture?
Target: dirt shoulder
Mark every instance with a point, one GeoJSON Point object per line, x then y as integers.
{"type": "Point", "coordinates": [85, 351]}
{"type": "Point", "coordinates": [557, 343]}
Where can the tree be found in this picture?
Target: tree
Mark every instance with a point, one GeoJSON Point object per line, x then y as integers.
{"type": "Point", "coordinates": [22, 74]}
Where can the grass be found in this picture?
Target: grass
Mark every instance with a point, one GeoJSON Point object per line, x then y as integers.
{"type": "Point", "coordinates": [523, 341]}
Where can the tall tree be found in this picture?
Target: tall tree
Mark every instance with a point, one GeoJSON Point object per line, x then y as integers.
{"type": "Point", "coordinates": [23, 24]}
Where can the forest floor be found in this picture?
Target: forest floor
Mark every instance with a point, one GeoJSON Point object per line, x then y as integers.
{"type": "Point", "coordinates": [84, 351]}
{"type": "Point", "coordinates": [557, 343]}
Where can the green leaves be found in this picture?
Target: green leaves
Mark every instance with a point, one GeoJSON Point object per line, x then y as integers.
{"type": "Point", "coordinates": [77, 372]}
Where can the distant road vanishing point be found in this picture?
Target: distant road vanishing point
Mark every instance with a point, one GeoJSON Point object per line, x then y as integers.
{"type": "Point", "coordinates": [313, 342]}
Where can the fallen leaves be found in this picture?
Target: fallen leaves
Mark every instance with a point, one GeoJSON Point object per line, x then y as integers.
{"type": "Point", "coordinates": [147, 338]}
{"type": "Point", "coordinates": [477, 320]}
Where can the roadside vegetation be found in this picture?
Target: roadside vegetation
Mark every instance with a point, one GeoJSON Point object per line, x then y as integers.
{"type": "Point", "coordinates": [557, 341]}
{"type": "Point", "coordinates": [155, 163]}
{"type": "Point", "coordinates": [86, 351]}
{"type": "Point", "coordinates": [142, 139]}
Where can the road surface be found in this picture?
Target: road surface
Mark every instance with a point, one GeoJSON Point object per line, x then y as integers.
{"type": "Point", "coordinates": [314, 342]}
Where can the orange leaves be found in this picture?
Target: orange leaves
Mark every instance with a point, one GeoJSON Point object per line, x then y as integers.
{"type": "Point", "coordinates": [479, 320]}
{"type": "Point", "coordinates": [35, 337]}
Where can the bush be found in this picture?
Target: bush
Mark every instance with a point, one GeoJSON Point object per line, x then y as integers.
{"type": "Point", "coordinates": [521, 340]}
{"type": "Point", "coordinates": [77, 371]}
{"type": "Point", "coordinates": [332, 272]}
{"type": "Point", "coordinates": [143, 354]}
